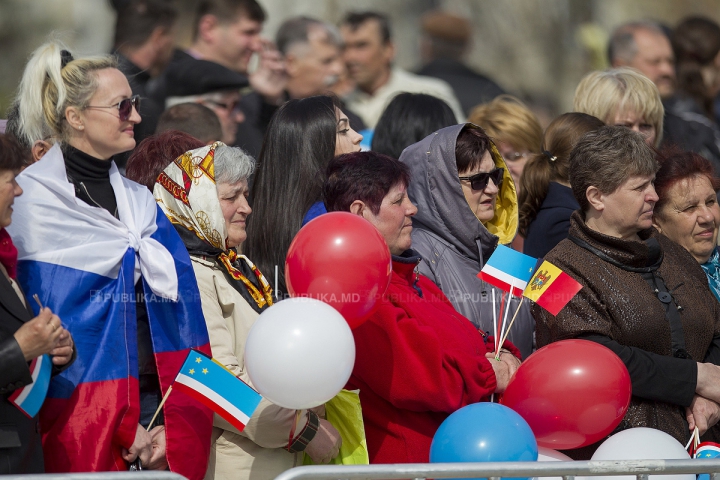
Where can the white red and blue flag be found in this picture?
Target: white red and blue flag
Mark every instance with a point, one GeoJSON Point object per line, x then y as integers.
{"type": "Point", "coordinates": [508, 270]}
{"type": "Point", "coordinates": [30, 398]}
{"type": "Point", "coordinates": [84, 263]}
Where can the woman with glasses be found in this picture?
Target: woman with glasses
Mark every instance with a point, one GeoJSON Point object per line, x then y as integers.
{"type": "Point", "coordinates": [513, 127]}
{"type": "Point", "coordinates": [467, 205]}
{"type": "Point", "coordinates": [417, 359]}
{"type": "Point", "coordinates": [95, 249]}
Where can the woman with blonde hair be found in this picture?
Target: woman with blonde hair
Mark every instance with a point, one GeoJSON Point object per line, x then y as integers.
{"type": "Point", "coordinates": [623, 97]}
{"type": "Point", "coordinates": [513, 127]}
{"type": "Point", "coordinates": [546, 199]}
{"type": "Point", "coordinates": [94, 248]}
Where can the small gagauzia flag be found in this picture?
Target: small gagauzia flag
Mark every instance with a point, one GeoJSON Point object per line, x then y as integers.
{"type": "Point", "coordinates": [706, 450]}
{"type": "Point", "coordinates": [213, 385]}
{"type": "Point", "coordinates": [551, 288]}
{"type": "Point", "coordinates": [30, 398]}
{"type": "Point", "coordinates": [506, 267]}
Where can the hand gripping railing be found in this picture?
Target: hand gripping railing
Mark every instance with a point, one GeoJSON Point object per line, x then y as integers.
{"type": "Point", "coordinates": [495, 470]}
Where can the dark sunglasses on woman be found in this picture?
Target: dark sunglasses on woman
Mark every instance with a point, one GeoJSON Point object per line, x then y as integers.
{"type": "Point", "coordinates": [124, 107]}
{"type": "Point", "coordinates": [479, 181]}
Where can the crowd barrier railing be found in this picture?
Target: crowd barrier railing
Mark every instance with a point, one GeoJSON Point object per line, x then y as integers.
{"type": "Point", "coordinates": [140, 475]}
{"type": "Point", "coordinates": [640, 469]}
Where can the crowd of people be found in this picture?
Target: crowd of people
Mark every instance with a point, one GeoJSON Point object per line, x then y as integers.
{"type": "Point", "coordinates": [135, 214]}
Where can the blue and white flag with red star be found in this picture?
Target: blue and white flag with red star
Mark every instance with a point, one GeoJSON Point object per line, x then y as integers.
{"type": "Point", "coordinates": [209, 382]}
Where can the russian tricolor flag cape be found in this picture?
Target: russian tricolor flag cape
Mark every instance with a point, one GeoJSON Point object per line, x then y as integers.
{"type": "Point", "coordinates": [83, 263]}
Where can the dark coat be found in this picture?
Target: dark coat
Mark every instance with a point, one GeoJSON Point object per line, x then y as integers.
{"type": "Point", "coordinates": [20, 448]}
{"type": "Point", "coordinates": [618, 309]}
{"type": "Point", "coordinates": [688, 128]}
{"type": "Point", "coordinates": [470, 87]}
{"type": "Point", "coordinates": [552, 222]}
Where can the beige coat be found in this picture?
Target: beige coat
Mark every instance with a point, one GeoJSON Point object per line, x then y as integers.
{"type": "Point", "coordinates": [257, 452]}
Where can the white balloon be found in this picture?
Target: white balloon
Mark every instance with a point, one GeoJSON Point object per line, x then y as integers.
{"type": "Point", "coordinates": [549, 455]}
{"type": "Point", "coordinates": [642, 444]}
{"type": "Point", "coordinates": [299, 353]}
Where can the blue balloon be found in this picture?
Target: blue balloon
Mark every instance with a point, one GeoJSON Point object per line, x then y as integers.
{"type": "Point", "coordinates": [484, 432]}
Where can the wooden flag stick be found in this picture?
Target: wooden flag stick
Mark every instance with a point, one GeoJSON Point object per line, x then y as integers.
{"type": "Point", "coordinates": [504, 323]}
{"type": "Point", "coordinates": [492, 292]}
{"type": "Point", "coordinates": [159, 408]}
{"type": "Point", "coordinates": [512, 321]}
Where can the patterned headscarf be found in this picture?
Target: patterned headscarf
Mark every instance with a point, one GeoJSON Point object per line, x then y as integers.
{"type": "Point", "coordinates": [712, 270]}
{"type": "Point", "coordinates": [187, 194]}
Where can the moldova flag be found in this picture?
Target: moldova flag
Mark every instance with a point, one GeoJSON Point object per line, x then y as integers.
{"type": "Point", "coordinates": [208, 381]}
{"type": "Point", "coordinates": [507, 268]}
{"type": "Point", "coordinates": [551, 288]}
{"type": "Point", "coordinates": [30, 398]}
{"type": "Point", "coordinates": [84, 264]}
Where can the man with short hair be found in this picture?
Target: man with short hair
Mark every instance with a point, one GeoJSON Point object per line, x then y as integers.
{"type": "Point", "coordinates": [645, 46]}
{"type": "Point", "coordinates": [192, 118]}
{"type": "Point", "coordinates": [312, 51]}
{"type": "Point", "coordinates": [144, 41]}
{"type": "Point", "coordinates": [368, 55]}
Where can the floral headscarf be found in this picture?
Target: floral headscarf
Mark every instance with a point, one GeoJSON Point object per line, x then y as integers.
{"type": "Point", "coordinates": [187, 194]}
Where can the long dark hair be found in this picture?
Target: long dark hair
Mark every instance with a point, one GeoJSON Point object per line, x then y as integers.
{"type": "Point", "coordinates": [407, 119]}
{"type": "Point", "coordinates": [696, 43]}
{"type": "Point", "coordinates": [298, 145]}
{"type": "Point", "coordinates": [551, 165]}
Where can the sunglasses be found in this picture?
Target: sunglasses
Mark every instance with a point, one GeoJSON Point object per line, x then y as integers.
{"type": "Point", "coordinates": [124, 107]}
{"type": "Point", "coordinates": [479, 181]}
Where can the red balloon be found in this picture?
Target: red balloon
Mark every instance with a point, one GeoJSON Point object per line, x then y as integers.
{"type": "Point", "coordinates": [572, 393]}
{"type": "Point", "coordinates": [342, 260]}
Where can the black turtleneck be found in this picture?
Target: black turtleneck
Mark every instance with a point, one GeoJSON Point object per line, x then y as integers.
{"type": "Point", "coordinates": [91, 177]}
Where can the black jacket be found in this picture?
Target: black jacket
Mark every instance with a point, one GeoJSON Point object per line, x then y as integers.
{"type": "Point", "coordinates": [20, 448]}
{"type": "Point", "coordinates": [470, 87]}
{"type": "Point", "coordinates": [552, 222]}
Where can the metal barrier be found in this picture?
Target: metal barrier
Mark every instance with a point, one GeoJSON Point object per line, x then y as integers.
{"type": "Point", "coordinates": [141, 475]}
{"type": "Point", "coordinates": [495, 470]}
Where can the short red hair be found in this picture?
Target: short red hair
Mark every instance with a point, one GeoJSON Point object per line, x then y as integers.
{"type": "Point", "coordinates": [677, 165]}
{"type": "Point", "coordinates": [155, 153]}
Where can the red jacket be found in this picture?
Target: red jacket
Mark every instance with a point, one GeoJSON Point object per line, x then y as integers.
{"type": "Point", "coordinates": [417, 361]}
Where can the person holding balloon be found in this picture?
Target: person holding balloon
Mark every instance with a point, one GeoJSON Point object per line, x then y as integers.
{"type": "Point", "coordinates": [417, 359]}
{"type": "Point", "coordinates": [643, 296]}
{"type": "Point", "coordinates": [211, 220]}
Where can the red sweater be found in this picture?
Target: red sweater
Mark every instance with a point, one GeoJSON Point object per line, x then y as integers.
{"type": "Point", "coordinates": [417, 361]}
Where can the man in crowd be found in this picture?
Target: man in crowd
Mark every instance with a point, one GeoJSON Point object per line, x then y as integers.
{"type": "Point", "coordinates": [193, 118]}
{"type": "Point", "coordinates": [144, 40]}
{"type": "Point", "coordinates": [645, 46]}
{"type": "Point", "coordinates": [368, 55]}
{"type": "Point", "coordinates": [444, 42]}
{"type": "Point", "coordinates": [210, 84]}
{"type": "Point", "coordinates": [312, 51]}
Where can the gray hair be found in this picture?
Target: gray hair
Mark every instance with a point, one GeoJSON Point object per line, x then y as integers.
{"type": "Point", "coordinates": [622, 45]}
{"type": "Point", "coordinates": [607, 157]}
{"type": "Point", "coordinates": [232, 164]}
{"type": "Point", "coordinates": [296, 30]}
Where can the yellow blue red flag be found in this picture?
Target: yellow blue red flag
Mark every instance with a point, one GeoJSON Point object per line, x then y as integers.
{"type": "Point", "coordinates": [551, 288]}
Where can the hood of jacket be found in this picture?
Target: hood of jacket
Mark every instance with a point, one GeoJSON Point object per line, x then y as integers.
{"type": "Point", "coordinates": [442, 208]}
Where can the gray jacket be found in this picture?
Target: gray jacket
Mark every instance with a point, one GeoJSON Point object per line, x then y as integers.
{"type": "Point", "coordinates": [453, 243]}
